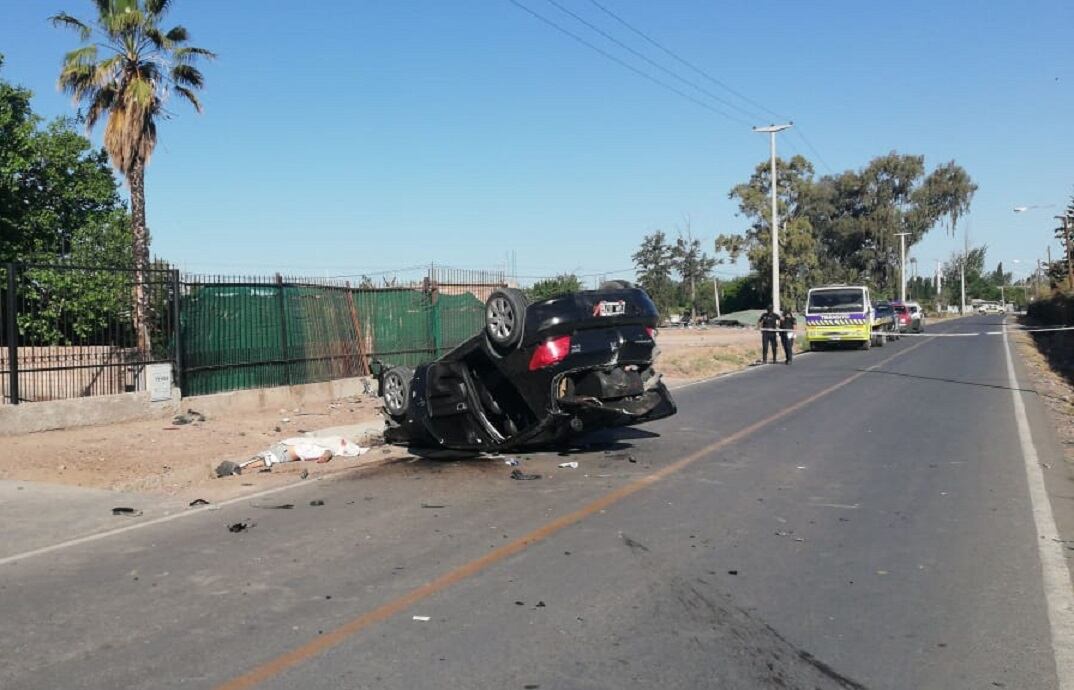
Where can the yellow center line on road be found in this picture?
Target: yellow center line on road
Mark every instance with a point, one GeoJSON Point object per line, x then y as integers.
{"type": "Point", "coordinates": [322, 643]}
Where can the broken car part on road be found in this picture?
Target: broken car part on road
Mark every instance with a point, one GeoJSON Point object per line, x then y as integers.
{"type": "Point", "coordinates": [535, 375]}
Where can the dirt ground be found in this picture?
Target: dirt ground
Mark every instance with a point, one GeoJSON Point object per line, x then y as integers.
{"type": "Point", "coordinates": [160, 457]}
{"type": "Point", "coordinates": [1052, 380]}
{"type": "Point", "coordinates": [692, 353]}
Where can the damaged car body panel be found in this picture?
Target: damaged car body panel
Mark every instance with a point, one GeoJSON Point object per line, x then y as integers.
{"type": "Point", "coordinates": [536, 374]}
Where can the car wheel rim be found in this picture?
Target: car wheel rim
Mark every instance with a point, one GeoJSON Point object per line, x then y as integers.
{"type": "Point", "coordinates": [393, 392]}
{"type": "Point", "coordinates": [501, 318]}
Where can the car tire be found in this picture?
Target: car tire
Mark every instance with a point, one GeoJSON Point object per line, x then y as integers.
{"type": "Point", "coordinates": [868, 344]}
{"type": "Point", "coordinates": [881, 340]}
{"type": "Point", "coordinates": [395, 387]}
{"type": "Point", "coordinates": [505, 317]}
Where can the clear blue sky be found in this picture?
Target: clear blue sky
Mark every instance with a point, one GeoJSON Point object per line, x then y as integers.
{"type": "Point", "coordinates": [347, 137]}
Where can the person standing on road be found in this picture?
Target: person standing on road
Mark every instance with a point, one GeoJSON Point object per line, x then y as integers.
{"type": "Point", "coordinates": [786, 334]}
{"type": "Point", "coordinates": [769, 325]}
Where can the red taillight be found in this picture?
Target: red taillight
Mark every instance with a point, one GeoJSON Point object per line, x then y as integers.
{"type": "Point", "coordinates": [650, 331]}
{"type": "Point", "coordinates": [551, 351]}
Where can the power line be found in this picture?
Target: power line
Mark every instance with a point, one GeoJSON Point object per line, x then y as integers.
{"type": "Point", "coordinates": [714, 80]}
{"type": "Point", "coordinates": [815, 151]}
{"type": "Point", "coordinates": [621, 63]}
{"type": "Point", "coordinates": [682, 60]}
{"type": "Point", "coordinates": [655, 64]}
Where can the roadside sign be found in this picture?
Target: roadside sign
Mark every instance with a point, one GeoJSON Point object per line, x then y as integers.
{"type": "Point", "coordinates": [159, 381]}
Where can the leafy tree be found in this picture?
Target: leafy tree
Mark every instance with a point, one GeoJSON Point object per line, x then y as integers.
{"type": "Point", "coordinates": [56, 191]}
{"type": "Point", "coordinates": [550, 287]}
{"type": "Point", "coordinates": [128, 86]}
{"type": "Point", "coordinates": [841, 228]}
{"type": "Point", "coordinates": [59, 203]}
{"type": "Point", "coordinates": [693, 266]}
{"type": "Point", "coordinates": [796, 200]}
{"type": "Point", "coordinates": [654, 265]}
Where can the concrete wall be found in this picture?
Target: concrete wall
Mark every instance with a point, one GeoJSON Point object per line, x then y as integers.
{"type": "Point", "coordinates": [102, 409]}
{"type": "Point", "coordinates": [259, 399]}
{"type": "Point", "coordinates": [127, 407]}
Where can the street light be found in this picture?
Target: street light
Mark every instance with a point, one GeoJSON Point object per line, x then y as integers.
{"type": "Point", "coordinates": [772, 130]}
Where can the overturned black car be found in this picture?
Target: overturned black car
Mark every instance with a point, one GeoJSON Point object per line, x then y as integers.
{"type": "Point", "coordinates": [536, 374]}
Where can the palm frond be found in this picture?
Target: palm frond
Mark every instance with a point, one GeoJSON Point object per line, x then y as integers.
{"type": "Point", "coordinates": [100, 104]}
{"type": "Point", "coordinates": [189, 95]}
{"type": "Point", "coordinates": [76, 80]}
{"type": "Point", "coordinates": [122, 23]}
{"type": "Point", "coordinates": [139, 93]}
{"type": "Point", "coordinates": [177, 34]}
{"type": "Point", "coordinates": [107, 72]}
{"type": "Point", "coordinates": [157, 8]}
{"type": "Point", "coordinates": [158, 39]}
{"type": "Point", "coordinates": [86, 55]}
{"type": "Point", "coordinates": [66, 21]}
{"type": "Point", "coordinates": [187, 75]}
{"type": "Point", "coordinates": [188, 54]}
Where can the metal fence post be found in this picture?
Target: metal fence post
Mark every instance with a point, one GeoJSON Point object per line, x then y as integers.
{"type": "Point", "coordinates": [177, 326]}
{"type": "Point", "coordinates": [12, 327]}
{"type": "Point", "coordinates": [283, 328]}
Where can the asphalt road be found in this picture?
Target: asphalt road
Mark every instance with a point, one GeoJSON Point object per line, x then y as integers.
{"type": "Point", "coordinates": [859, 519]}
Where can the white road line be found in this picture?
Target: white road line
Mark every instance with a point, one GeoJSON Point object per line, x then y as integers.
{"type": "Point", "coordinates": [1056, 576]}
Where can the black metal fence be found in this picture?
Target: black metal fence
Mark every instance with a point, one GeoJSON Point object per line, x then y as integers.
{"type": "Point", "coordinates": [70, 331]}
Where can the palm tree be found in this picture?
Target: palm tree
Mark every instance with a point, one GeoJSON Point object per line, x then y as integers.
{"type": "Point", "coordinates": [129, 85]}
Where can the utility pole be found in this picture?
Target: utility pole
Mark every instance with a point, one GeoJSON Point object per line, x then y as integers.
{"type": "Point", "coordinates": [716, 293]}
{"type": "Point", "coordinates": [902, 265]}
{"type": "Point", "coordinates": [771, 131]}
{"type": "Point", "coordinates": [962, 265]}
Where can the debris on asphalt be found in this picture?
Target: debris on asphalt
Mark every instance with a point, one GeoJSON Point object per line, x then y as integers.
{"type": "Point", "coordinates": [520, 603]}
{"type": "Point", "coordinates": [573, 465]}
{"type": "Point", "coordinates": [282, 506]}
{"type": "Point", "coordinates": [264, 470]}
{"type": "Point", "coordinates": [631, 458]}
{"type": "Point", "coordinates": [317, 502]}
{"type": "Point", "coordinates": [520, 475]}
{"type": "Point", "coordinates": [227, 468]}
{"type": "Point", "coordinates": [430, 505]}
{"type": "Point", "coordinates": [539, 605]}
{"type": "Point", "coordinates": [130, 512]}
{"type": "Point", "coordinates": [785, 533]}
{"type": "Point", "coordinates": [512, 462]}
{"type": "Point", "coordinates": [304, 473]}
{"type": "Point", "coordinates": [732, 572]}
{"type": "Point", "coordinates": [239, 526]}
{"type": "Point", "coordinates": [199, 502]}
{"type": "Point", "coordinates": [423, 619]}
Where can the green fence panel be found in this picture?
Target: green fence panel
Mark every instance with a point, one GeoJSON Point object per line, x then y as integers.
{"type": "Point", "coordinates": [259, 335]}
{"type": "Point", "coordinates": [457, 318]}
{"type": "Point", "coordinates": [398, 322]}
{"type": "Point", "coordinates": [231, 338]}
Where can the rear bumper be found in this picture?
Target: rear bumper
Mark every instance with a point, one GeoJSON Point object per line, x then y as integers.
{"type": "Point", "coordinates": [837, 334]}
